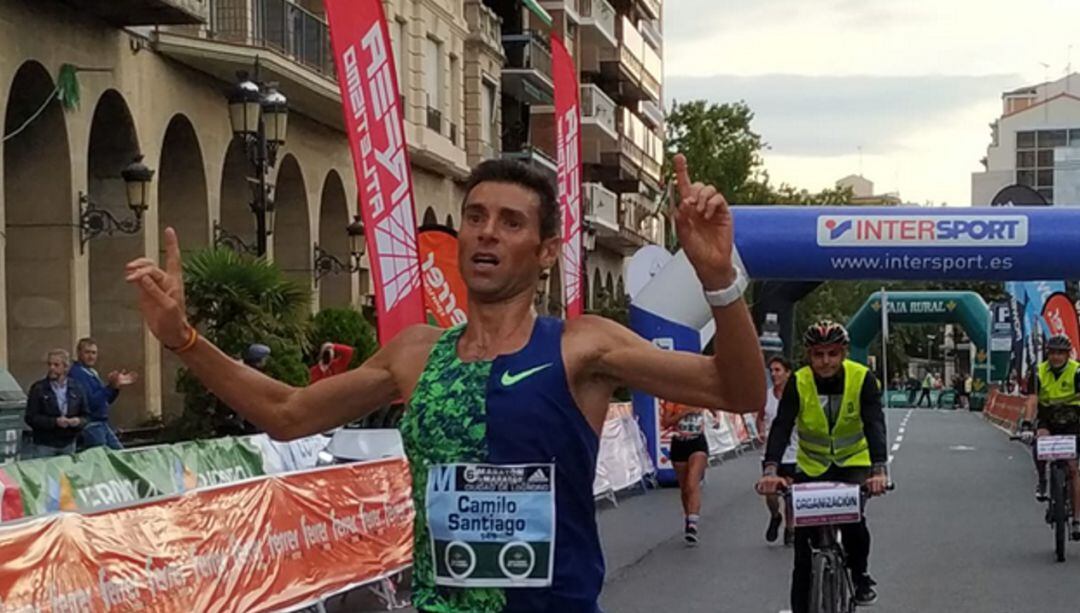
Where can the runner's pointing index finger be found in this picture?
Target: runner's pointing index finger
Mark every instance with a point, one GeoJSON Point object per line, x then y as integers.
{"type": "Point", "coordinates": [172, 253]}
{"type": "Point", "coordinates": [682, 177]}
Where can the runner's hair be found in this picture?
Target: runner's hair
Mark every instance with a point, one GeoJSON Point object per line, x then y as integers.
{"type": "Point", "coordinates": [516, 173]}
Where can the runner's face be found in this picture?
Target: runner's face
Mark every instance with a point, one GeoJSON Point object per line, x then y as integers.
{"type": "Point", "coordinates": [1057, 358]}
{"type": "Point", "coordinates": [779, 374]}
{"type": "Point", "coordinates": [499, 248]}
{"type": "Point", "coordinates": [826, 360]}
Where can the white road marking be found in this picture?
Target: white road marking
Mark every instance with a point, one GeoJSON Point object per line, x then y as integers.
{"type": "Point", "coordinates": [900, 439]}
{"type": "Point", "coordinates": [901, 429]}
{"type": "Point", "coordinates": [896, 447]}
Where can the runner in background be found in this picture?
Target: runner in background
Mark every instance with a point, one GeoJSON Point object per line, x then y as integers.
{"type": "Point", "coordinates": [780, 370]}
{"type": "Point", "coordinates": [690, 457]}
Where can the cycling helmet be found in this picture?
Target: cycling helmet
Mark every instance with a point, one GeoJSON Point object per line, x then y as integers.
{"type": "Point", "coordinates": [1058, 342]}
{"type": "Point", "coordinates": [256, 352]}
{"type": "Point", "coordinates": [825, 332]}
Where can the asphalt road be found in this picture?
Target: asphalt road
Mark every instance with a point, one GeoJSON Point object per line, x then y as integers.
{"type": "Point", "coordinates": [962, 532]}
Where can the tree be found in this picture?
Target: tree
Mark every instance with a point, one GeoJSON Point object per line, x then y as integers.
{"type": "Point", "coordinates": [718, 143]}
{"type": "Point", "coordinates": [345, 326]}
{"type": "Point", "coordinates": [236, 300]}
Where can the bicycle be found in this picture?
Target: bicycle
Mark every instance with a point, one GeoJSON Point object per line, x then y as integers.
{"type": "Point", "coordinates": [1058, 451]}
{"type": "Point", "coordinates": [827, 506]}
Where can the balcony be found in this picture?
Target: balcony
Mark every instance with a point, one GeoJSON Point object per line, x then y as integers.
{"type": "Point", "coordinates": [571, 8]}
{"type": "Point", "coordinates": [650, 30]}
{"type": "Point", "coordinates": [626, 65]}
{"type": "Point", "coordinates": [534, 157]}
{"type": "Point", "coordinates": [146, 12]}
{"type": "Point", "coordinates": [640, 216]}
{"type": "Point", "coordinates": [636, 160]}
{"type": "Point", "coordinates": [651, 113]}
{"type": "Point", "coordinates": [601, 208]}
{"type": "Point", "coordinates": [526, 76]}
{"type": "Point", "coordinates": [598, 24]}
{"type": "Point", "coordinates": [598, 127]}
{"type": "Point", "coordinates": [651, 8]}
{"type": "Point", "coordinates": [485, 26]}
{"type": "Point", "coordinates": [653, 72]}
{"type": "Point", "coordinates": [291, 44]}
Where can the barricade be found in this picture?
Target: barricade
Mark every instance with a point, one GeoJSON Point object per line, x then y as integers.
{"type": "Point", "coordinates": [623, 461]}
{"type": "Point", "coordinates": [1007, 411]}
{"type": "Point", "coordinates": [261, 544]}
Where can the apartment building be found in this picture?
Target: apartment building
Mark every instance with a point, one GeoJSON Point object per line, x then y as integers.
{"type": "Point", "coordinates": [154, 77]}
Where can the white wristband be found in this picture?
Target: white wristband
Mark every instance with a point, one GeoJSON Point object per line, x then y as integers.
{"type": "Point", "coordinates": [723, 297]}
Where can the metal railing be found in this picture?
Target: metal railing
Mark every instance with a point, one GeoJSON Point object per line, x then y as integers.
{"type": "Point", "coordinates": [595, 104]}
{"type": "Point", "coordinates": [650, 29]}
{"type": "Point", "coordinates": [280, 25]}
{"type": "Point", "coordinates": [651, 110]}
{"type": "Point", "coordinates": [527, 51]}
{"type": "Point", "coordinates": [599, 13]}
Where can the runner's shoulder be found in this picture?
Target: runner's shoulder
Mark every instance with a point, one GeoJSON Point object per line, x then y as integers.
{"type": "Point", "coordinates": [591, 329]}
{"type": "Point", "coordinates": [412, 342]}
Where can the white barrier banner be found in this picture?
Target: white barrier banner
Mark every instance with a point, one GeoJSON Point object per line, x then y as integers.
{"type": "Point", "coordinates": [622, 460]}
{"type": "Point", "coordinates": [815, 504]}
{"type": "Point", "coordinates": [1056, 447]}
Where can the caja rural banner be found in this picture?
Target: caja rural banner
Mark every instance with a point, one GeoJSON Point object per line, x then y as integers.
{"type": "Point", "coordinates": [374, 123]}
{"type": "Point", "coordinates": [822, 243]}
{"type": "Point", "coordinates": [259, 545]}
{"type": "Point", "coordinates": [444, 290]}
{"type": "Point", "coordinates": [568, 137]}
{"type": "Point", "coordinates": [1060, 315]}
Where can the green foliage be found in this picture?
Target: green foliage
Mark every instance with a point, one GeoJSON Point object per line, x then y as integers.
{"type": "Point", "coordinates": [236, 300]}
{"type": "Point", "coordinates": [718, 143]}
{"type": "Point", "coordinates": [344, 326]}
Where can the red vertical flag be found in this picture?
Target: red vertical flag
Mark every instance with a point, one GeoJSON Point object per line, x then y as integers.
{"type": "Point", "coordinates": [1060, 315]}
{"type": "Point", "coordinates": [568, 139]}
{"type": "Point", "coordinates": [374, 123]}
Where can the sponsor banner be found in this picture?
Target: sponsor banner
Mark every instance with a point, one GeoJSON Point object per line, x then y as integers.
{"type": "Point", "coordinates": [815, 504]}
{"type": "Point", "coordinates": [492, 525]}
{"type": "Point", "coordinates": [622, 460]}
{"type": "Point", "coordinates": [11, 505]}
{"type": "Point", "coordinates": [376, 129]}
{"type": "Point", "coordinates": [1055, 447]}
{"type": "Point", "coordinates": [444, 289]}
{"type": "Point", "coordinates": [821, 243]}
{"type": "Point", "coordinates": [1060, 315]}
{"type": "Point", "coordinates": [568, 139]}
{"type": "Point", "coordinates": [101, 478]}
{"type": "Point", "coordinates": [260, 545]}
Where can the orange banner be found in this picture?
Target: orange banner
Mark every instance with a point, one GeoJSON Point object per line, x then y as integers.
{"type": "Point", "coordinates": [256, 545]}
{"type": "Point", "coordinates": [444, 290]}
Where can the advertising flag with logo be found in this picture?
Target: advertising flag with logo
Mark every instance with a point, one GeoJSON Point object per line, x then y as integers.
{"type": "Point", "coordinates": [568, 138]}
{"type": "Point", "coordinates": [444, 290]}
{"type": "Point", "coordinates": [374, 123]}
{"type": "Point", "coordinates": [1060, 315]}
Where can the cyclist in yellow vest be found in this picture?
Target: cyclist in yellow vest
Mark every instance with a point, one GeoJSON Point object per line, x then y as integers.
{"type": "Point", "coordinates": [836, 405]}
{"type": "Point", "coordinates": [1055, 388]}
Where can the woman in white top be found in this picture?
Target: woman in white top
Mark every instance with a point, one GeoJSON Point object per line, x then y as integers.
{"type": "Point", "coordinates": [780, 369]}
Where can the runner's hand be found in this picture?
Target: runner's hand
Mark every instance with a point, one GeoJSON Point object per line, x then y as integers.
{"type": "Point", "coordinates": [161, 293]}
{"type": "Point", "coordinates": [770, 484]}
{"type": "Point", "coordinates": [704, 227]}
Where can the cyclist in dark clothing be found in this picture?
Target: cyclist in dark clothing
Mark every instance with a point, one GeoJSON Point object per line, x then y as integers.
{"type": "Point", "coordinates": [836, 405]}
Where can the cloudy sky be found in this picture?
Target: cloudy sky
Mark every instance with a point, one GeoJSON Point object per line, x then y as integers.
{"type": "Point", "coordinates": [913, 83]}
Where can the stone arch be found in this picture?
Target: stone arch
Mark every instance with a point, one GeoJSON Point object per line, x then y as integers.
{"type": "Point", "coordinates": [293, 243]}
{"type": "Point", "coordinates": [37, 235]}
{"type": "Point", "coordinates": [620, 289]}
{"type": "Point", "coordinates": [335, 290]}
{"type": "Point", "coordinates": [115, 321]}
{"type": "Point", "coordinates": [182, 205]}
{"type": "Point", "coordinates": [235, 216]}
{"type": "Point", "coordinates": [430, 218]}
{"type": "Point", "coordinates": [609, 287]}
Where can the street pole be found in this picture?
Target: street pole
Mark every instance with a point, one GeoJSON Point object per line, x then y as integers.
{"type": "Point", "coordinates": [260, 196]}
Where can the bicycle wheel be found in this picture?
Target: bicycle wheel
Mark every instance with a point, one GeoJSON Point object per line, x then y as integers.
{"type": "Point", "coordinates": [821, 585]}
{"type": "Point", "coordinates": [1058, 510]}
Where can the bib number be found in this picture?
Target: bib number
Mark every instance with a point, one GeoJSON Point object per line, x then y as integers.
{"type": "Point", "coordinates": [492, 525]}
{"type": "Point", "coordinates": [818, 504]}
{"type": "Point", "coordinates": [1055, 447]}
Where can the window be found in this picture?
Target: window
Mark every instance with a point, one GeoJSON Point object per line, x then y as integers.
{"type": "Point", "coordinates": [1035, 157]}
{"type": "Point", "coordinates": [1025, 140]}
{"type": "Point", "coordinates": [487, 112]}
{"type": "Point", "coordinates": [399, 43]}
{"type": "Point", "coordinates": [1051, 138]}
{"type": "Point", "coordinates": [432, 74]}
{"type": "Point", "coordinates": [1025, 159]}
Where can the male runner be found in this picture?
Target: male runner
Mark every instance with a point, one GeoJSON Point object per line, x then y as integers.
{"type": "Point", "coordinates": [506, 388]}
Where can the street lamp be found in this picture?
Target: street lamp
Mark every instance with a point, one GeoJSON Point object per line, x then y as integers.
{"type": "Point", "coordinates": [259, 115]}
{"type": "Point", "coordinates": [94, 221]}
{"type": "Point", "coordinates": [328, 264]}
{"type": "Point", "coordinates": [929, 347]}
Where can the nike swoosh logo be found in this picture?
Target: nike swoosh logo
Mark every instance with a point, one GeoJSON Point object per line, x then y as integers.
{"type": "Point", "coordinates": [509, 380]}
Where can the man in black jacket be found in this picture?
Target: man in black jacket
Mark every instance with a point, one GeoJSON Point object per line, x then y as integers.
{"type": "Point", "coordinates": [56, 408]}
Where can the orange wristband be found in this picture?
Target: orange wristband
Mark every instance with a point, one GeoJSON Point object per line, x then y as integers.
{"type": "Point", "coordinates": [192, 339]}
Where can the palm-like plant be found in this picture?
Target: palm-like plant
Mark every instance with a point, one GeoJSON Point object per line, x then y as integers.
{"type": "Point", "coordinates": [237, 300]}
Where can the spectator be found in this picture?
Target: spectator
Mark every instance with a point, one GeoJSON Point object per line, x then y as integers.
{"type": "Point", "coordinates": [927, 385]}
{"type": "Point", "coordinates": [966, 383]}
{"type": "Point", "coordinates": [100, 395]}
{"type": "Point", "coordinates": [257, 356]}
{"type": "Point", "coordinates": [56, 408]}
{"type": "Point", "coordinates": [333, 360]}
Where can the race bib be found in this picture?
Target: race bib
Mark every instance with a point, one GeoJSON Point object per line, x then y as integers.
{"type": "Point", "coordinates": [1055, 447]}
{"type": "Point", "coordinates": [691, 425]}
{"type": "Point", "coordinates": [492, 525]}
{"type": "Point", "coordinates": [816, 504]}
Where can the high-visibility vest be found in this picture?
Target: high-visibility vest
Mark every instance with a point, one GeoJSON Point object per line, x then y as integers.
{"type": "Point", "coordinates": [1059, 390]}
{"type": "Point", "coordinates": [845, 444]}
